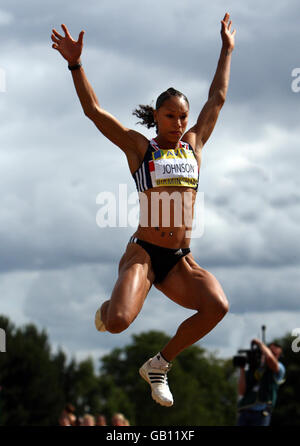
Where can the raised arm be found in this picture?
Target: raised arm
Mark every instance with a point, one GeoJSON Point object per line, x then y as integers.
{"type": "Point", "coordinates": [271, 360]}
{"type": "Point", "coordinates": [201, 131]}
{"type": "Point", "coordinates": [128, 140]}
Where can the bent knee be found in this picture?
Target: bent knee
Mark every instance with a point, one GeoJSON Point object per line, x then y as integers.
{"type": "Point", "coordinates": [222, 305]}
{"type": "Point", "coordinates": [118, 323]}
{"type": "Point", "coordinates": [216, 304]}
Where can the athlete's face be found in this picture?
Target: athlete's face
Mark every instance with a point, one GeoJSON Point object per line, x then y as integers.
{"type": "Point", "coordinates": [172, 118]}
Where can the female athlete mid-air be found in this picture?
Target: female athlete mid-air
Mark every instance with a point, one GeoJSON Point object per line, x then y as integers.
{"type": "Point", "coordinates": [168, 165]}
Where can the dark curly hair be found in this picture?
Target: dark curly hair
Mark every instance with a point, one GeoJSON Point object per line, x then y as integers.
{"type": "Point", "coordinates": [145, 112]}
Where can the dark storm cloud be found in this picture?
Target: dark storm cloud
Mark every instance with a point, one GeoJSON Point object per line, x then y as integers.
{"type": "Point", "coordinates": [259, 288]}
{"type": "Point", "coordinates": [184, 37]}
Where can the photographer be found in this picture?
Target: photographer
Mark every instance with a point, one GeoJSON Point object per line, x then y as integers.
{"type": "Point", "coordinates": [258, 386]}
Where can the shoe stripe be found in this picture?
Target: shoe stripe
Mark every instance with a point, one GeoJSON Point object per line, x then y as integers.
{"type": "Point", "coordinates": [156, 374]}
{"type": "Point", "coordinates": [165, 398]}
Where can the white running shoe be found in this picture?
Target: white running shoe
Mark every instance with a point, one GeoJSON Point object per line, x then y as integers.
{"type": "Point", "coordinates": [157, 378]}
{"type": "Point", "coordinates": [98, 321]}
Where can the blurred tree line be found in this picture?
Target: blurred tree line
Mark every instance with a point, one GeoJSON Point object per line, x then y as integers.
{"type": "Point", "coordinates": [36, 384]}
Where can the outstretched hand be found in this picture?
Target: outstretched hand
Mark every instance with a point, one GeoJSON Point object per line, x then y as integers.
{"type": "Point", "coordinates": [227, 36]}
{"type": "Point", "coordinates": [69, 48]}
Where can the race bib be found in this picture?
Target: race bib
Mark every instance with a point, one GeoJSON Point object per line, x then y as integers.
{"type": "Point", "coordinates": [176, 167]}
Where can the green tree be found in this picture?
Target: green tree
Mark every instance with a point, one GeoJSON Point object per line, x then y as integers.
{"type": "Point", "coordinates": [287, 410]}
{"type": "Point", "coordinates": [30, 392]}
{"type": "Point", "coordinates": [36, 384]}
{"type": "Point", "coordinates": [86, 388]}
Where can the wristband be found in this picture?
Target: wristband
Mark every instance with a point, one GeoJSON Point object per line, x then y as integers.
{"type": "Point", "coordinates": [74, 67]}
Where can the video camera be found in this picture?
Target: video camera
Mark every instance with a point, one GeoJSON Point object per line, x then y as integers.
{"type": "Point", "coordinates": [252, 356]}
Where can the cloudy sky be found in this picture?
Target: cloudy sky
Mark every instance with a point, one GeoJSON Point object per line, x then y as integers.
{"type": "Point", "coordinates": [56, 264]}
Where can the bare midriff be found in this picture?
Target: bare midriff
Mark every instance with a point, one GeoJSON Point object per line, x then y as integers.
{"type": "Point", "coordinates": [166, 216]}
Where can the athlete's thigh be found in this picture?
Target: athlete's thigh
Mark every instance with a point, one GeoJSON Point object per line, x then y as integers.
{"type": "Point", "coordinates": [133, 284]}
{"type": "Point", "coordinates": [191, 286]}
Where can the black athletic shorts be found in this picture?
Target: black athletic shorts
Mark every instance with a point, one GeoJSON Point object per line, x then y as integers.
{"type": "Point", "coordinates": [162, 259]}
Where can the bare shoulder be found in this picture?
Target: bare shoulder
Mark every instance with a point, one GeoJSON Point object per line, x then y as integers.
{"type": "Point", "coordinates": [139, 141]}
{"type": "Point", "coordinates": [135, 156]}
{"type": "Point", "coordinates": [191, 138]}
